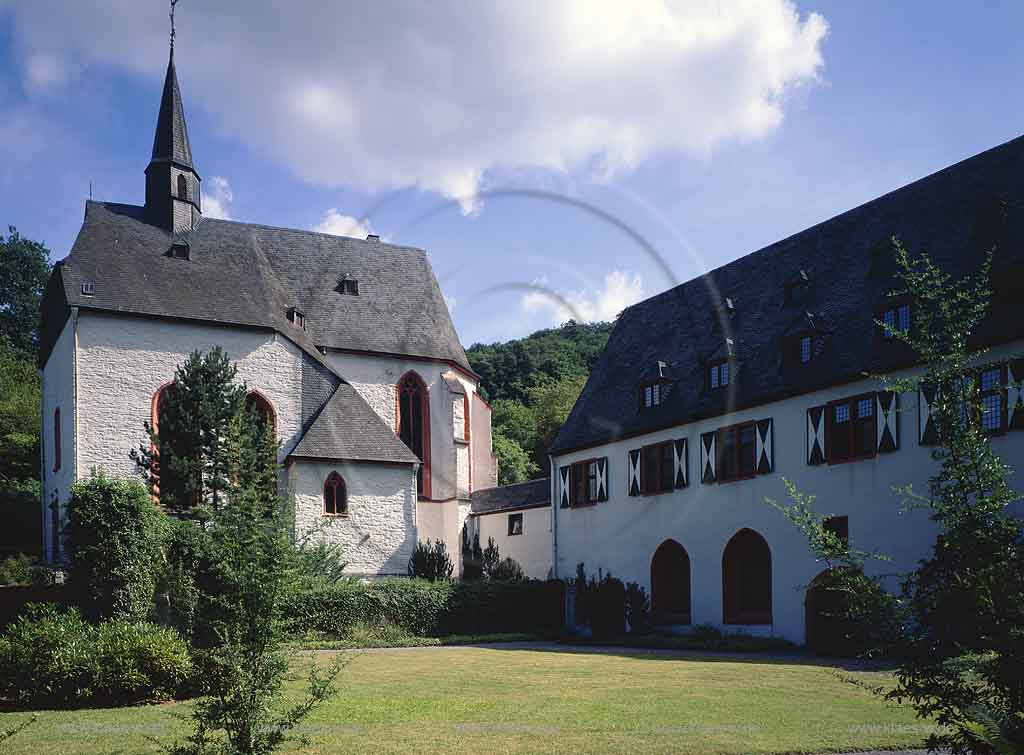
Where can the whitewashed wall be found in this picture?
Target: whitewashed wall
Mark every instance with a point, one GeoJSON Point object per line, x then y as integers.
{"type": "Point", "coordinates": [532, 549]}
{"type": "Point", "coordinates": [379, 533]}
{"type": "Point", "coordinates": [621, 535]}
{"type": "Point", "coordinates": [58, 390]}
{"type": "Point", "coordinates": [124, 360]}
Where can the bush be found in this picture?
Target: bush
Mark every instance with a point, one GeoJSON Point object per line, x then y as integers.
{"type": "Point", "coordinates": [56, 657]}
{"type": "Point", "coordinates": [115, 540]}
{"type": "Point", "coordinates": [425, 608]}
{"type": "Point", "coordinates": [23, 527]}
{"type": "Point", "coordinates": [431, 561]}
{"type": "Point", "coordinates": [638, 607]}
{"type": "Point", "coordinates": [507, 570]}
{"type": "Point", "coordinates": [16, 570]}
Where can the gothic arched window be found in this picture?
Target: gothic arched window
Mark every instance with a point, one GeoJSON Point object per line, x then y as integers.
{"type": "Point", "coordinates": [335, 495]}
{"type": "Point", "coordinates": [182, 187]}
{"type": "Point", "coordinates": [747, 579]}
{"type": "Point", "coordinates": [413, 423]}
{"type": "Point", "coordinates": [261, 407]}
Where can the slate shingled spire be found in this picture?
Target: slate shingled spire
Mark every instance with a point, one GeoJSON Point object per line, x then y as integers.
{"type": "Point", "coordinates": [172, 184]}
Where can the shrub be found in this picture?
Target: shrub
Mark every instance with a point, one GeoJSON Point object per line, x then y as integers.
{"type": "Point", "coordinates": [600, 603]}
{"type": "Point", "coordinates": [115, 540]}
{"type": "Point", "coordinates": [48, 656]}
{"type": "Point", "coordinates": [56, 657]}
{"type": "Point", "coordinates": [431, 561]}
{"type": "Point", "coordinates": [507, 570]}
{"type": "Point", "coordinates": [16, 570]}
{"type": "Point", "coordinates": [638, 607]}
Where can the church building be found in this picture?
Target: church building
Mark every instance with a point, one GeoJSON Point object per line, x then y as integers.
{"type": "Point", "coordinates": [345, 345]}
{"type": "Point", "coordinates": [708, 395]}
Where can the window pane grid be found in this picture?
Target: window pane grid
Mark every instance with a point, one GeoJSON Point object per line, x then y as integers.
{"type": "Point", "coordinates": [842, 413]}
{"type": "Point", "coordinates": [865, 407]}
{"type": "Point", "coordinates": [805, 349]}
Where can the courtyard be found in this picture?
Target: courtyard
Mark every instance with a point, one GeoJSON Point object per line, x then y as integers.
{"type": "Point", "coordinates": [542, 698]}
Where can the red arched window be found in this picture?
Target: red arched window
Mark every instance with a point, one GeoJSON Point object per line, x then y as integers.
{"type": "Point", "coordinates": [56, 439]}
{"type": "Point", "coordinates": [747, 579]}
{"type": "Point", "coordinates": [670, 584]}
{"type": "Point", "coordinates": [335, 496]}
{"type": "Point", "coordinates": [259, 404]}
{"type": "Point", "coordinates": [413, 422]}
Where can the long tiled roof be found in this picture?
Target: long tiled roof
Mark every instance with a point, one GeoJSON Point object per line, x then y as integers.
{"type": "Point", "coordinates": [954, 215]}
{"type": "Point", "coordinates": [522, 495]}
{"type": "Point", "coordinates": [248, 274]}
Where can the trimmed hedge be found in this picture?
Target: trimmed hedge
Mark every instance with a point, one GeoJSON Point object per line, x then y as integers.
{"type": "Point", "coordinates": [426, 608]}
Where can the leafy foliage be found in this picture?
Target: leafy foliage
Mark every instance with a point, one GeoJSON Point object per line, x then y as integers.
{"type": "Point", "coordinates": [52, 656]}
{"type": "Point", "coordinates": [19, 414]}
{"type": "Point", "coordinates": [431, 561]}
{"type": "Point", "coordinates": [16, 570]}
{"type": "Point", "coordinates": [115, 539]}
{"type": "Point", "coordinates": [533, 383]}
{"type": "Point", "coordinates": [186, 459]}
{"type": "Point", "coordinates": [24, 271]}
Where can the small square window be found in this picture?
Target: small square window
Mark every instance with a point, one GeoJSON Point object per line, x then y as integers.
{"type": "Point", "coordinates": [515, 524]}
{"type": "Point", "coordinates": [864, 407]}
{"type": "Point", "coordinates": [88, 288]}
{"type": "Point", "coordinates": [842, 413]}
{"type": "Point", "coordinates": [718, 375]}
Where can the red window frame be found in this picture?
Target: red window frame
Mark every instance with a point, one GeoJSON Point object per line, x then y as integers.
{"type": "Point", "coordinates": [56, 440]}
{"type": "Point", "coordinates": [1001, 392]}
{"type": "Point", "coordinates": [409, 386]}
{"type": "Point", "coordinates": [579, 483]}
{"type": "Point", "coordinates": [830, 433]}
{"type": "Point", "coordinates": [720, 446]}
{"type": "Point", "coordinates": [336, 483]}
{"type": "Point", "coordinates": [653, 463]}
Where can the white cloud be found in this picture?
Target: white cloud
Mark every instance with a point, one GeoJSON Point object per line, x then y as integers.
{"type": "Point", "coordinates": [217, 204]}
{"type": "Point", "coordinates": [438, 95]}
{"type": "Point", "coordinates": [335, 223]}
{"type": "Point", "coordinates": [620, 290]}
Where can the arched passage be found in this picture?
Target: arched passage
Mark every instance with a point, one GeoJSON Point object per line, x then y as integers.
{"type": "Point", "coordinates": [413, 424]}
{"type": "Point", "coordinates": [670, 584]}
{"type": "Point", "coordinates": [747, 579]}
{"type": "Point", "coordinates": [825, 622]}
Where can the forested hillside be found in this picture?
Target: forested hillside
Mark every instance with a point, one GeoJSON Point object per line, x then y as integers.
{"type": "Point", "coordinates": [532, 384]}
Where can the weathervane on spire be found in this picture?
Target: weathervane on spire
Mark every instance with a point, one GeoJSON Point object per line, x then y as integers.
{"type": "Point", "coordinates": [173, 3]}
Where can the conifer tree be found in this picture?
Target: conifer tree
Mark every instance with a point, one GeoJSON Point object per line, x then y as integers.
{"type": "Point", "coordinates": [186, 460]}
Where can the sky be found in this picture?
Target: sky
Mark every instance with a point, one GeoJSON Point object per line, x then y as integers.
{"type": "Point", "coordinates": [555, 159]}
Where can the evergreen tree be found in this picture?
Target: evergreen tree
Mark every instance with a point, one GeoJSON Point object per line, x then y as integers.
{"type": "Point", "coordinates": [187, 459]}
{"type": "Point", "coordinates": [24, 270]}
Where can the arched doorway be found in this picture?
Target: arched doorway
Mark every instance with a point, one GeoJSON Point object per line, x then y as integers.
{"type": "Point", "coordinates": [747, 579]}
{"type": "Point", "coordinates": [670, 584]}
{"type": "Point", "coordinates": [413, 425]}
{"type": "Point", "coordinates": [826, 626]}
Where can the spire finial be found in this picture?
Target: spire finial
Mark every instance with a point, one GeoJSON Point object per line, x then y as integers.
{"type": "Point", "coordinates": [173, 3]}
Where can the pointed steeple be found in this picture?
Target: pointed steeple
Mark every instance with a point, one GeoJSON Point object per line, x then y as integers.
{"type": "Point", "coordinates": [171, 140]}
{"type": "Point", "coordinates": [172, 184]}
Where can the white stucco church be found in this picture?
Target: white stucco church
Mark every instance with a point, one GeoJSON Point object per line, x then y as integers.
{"type": "Point", "coordinates": [346, 344]}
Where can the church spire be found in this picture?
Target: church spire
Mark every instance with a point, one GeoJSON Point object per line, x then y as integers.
{"type": "Point", "coordinates": [172, 184]}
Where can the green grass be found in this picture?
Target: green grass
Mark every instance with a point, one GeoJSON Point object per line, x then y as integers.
{"type": "Point", "coordinates": [482, 700]}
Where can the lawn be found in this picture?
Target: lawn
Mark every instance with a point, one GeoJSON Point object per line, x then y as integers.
{"type": "Point", "coordinates": [476, 700]}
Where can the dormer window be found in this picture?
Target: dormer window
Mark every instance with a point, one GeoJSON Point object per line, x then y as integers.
{"type": "Point", "coordinates": [348, 285]}
{"type": "Point", "coordinates": [652, 395]}
{"type": "Point", "coordinates": [805, 349]}
{"type": "Point", "coordinates": [719, 375]}
{"type": "Point", "coordinates": [797, 290]}
{"type": "Point", "coordinates": [181, 251]}
{"type": "Point", "coordinates": [88, 288]}
{"type": "Point", "coordinates": [801, 348]}
{"type": "Point", "coordinates": [296, 317]}
{"type": "Point", "coordinates": [895, 318]}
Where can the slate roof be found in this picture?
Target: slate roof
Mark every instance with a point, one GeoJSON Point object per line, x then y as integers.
{"type": "Point", "coordinates": [249, 274]}
{"type": "Point", "coordinates": [171, 140]}
{"type": "Point", "coordinates": [347, 428]}
{"type": "Point", "coordinates": [522, 495]}
{"type": "Point", "coordinates": [954, 215]}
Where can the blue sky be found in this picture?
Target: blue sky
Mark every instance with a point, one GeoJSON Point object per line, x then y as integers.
{"type": "Point", "coordinates": [484, 135]}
